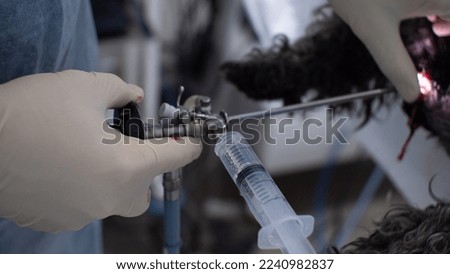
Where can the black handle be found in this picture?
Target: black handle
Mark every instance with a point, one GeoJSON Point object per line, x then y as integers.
{"type": "Point", "coordinates": [129, 122]}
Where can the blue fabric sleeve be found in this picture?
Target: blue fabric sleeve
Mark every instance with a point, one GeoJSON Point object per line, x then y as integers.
{"type": "Point", "coordinates": [46, 36]}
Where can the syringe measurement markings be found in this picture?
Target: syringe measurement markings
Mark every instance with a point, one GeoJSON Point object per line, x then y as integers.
{"type": "Point", "coordinates": [237, 158]}
{"type": "Point", "coordinates": [233, 156]}
{"type": "Point", "coordinates": [258, 191]}
{"type": "Point", "coordinates": [266, 197]}
{"type": "Point", "coordinates": [263, 195]}
{"type": "Point", "coordinates": [259, 188]}
{"type": "Point", "coordinates": [236, 154]}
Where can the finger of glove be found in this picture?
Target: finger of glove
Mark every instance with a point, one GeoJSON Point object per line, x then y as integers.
{"type": "Point", "coordinates": [441, 27]}
{"type": "Point", "coordinates": [166, 154]}
{"type": "Point", "coordinates": [149, 158]}
{"type": "Point", "coordinates": [140, 201]}
{"type": "Point", "coordinates": [382, 38]}
{"type": "Point", "coordinates": [114, 91]}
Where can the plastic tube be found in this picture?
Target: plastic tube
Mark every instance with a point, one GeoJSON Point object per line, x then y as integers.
{"type": "Point", "coordinates": [172, 237]}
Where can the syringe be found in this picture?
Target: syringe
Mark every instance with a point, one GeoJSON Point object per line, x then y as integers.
{"type": "Point", "coordinates": [280, 226]}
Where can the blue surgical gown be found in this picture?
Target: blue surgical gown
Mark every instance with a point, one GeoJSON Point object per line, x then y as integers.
{"type": "Point", "coordinates": [46, 36]}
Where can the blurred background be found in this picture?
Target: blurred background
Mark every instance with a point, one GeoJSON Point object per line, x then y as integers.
{"type": "Point", "coordinates": [162, 44]}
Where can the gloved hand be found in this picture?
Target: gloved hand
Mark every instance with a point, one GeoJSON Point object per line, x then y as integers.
{"type": "Point", "coordinates": [56, 172]}
{"type": "Point", "coordinates": [440, 27]}
{"type": "Point", "coordinates": [376, 23]}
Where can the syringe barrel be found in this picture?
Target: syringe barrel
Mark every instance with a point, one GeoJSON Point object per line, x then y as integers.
{"type": "Point", "coordinates": [281, 227]}
{"type": "Point", "coordinates": [262, 195]}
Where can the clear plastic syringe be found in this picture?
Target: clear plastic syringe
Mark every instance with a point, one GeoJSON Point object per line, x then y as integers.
{"type": "Point", "coordinates": [280, 226]}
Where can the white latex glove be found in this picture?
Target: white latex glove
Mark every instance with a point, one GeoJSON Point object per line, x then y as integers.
{"type": "Point", "coordinates": [376, 23]}
{"type": "Point", "coordinates": [55, 172]}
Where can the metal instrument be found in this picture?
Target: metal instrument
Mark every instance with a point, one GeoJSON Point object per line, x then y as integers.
{"type": "Point", "coordinates": [195, 118]}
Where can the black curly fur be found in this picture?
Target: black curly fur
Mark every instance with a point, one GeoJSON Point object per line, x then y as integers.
{"type": "Point", "coordinates": [408, 230]}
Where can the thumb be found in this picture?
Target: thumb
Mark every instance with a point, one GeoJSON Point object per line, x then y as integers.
{"type": "Point", "coordinates": [382, 39]}
{"type": "Point", "coordinates": [114, 91]}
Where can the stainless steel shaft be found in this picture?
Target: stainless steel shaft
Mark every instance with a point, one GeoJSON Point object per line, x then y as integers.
{"type": "Point", "coordinates": [328, 101]}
